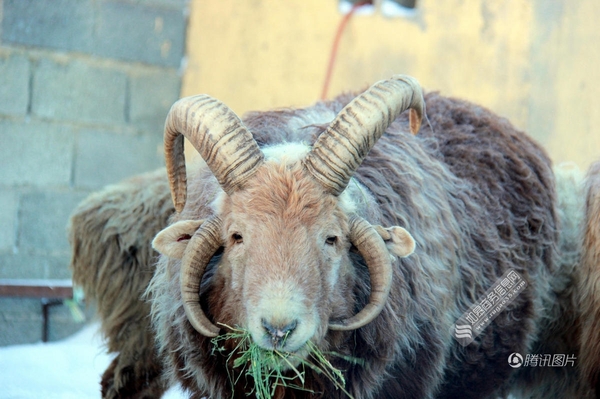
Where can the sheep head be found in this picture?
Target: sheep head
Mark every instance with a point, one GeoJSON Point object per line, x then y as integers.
{"type": "Point", "coordinates": [285, 219]}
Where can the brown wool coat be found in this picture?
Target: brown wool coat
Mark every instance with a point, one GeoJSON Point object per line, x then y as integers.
{"type": "Point", "coordinates": [479, 198]}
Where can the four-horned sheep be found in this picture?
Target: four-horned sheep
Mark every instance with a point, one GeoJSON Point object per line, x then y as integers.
{"type": "Point", "coordinates": [351, 227]}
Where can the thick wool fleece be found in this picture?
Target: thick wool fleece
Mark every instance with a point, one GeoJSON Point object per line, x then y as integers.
{"type": "Point", "coordinates": [478, 197]}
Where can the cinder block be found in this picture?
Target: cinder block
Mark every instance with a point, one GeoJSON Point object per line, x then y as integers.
{"type": "Point", "coordinates": [9, 201]}
{"type": "Point", "coordinates": [20, 309]}
{"type": "Point", "coordinates": [35, 153]}
{"type": "Point", "coordinates": [130, 32]}
{"type": "Point", "coordinates": [19, 332]}
{"type": "Point", "coordinates": [23, 266]}
{"type": "Point", "coordinates": [151, 97]}
{"type": "Point", "coordinates": [57, 266]}
{"type": "Point", "coordinates": [14, 84]}
{"type": "Point", "coordinates": [77, 91]}
{"type": "Point", "coordinates": [60, 24]}
{"type": "Point", "coordinates": [35, 266]}
{"type": "Point", "coordinates": [20, 321]}
{"type": "Point", "coordinates": [105, 157]}
{"type": "Point", "coordinates": [43, 218]}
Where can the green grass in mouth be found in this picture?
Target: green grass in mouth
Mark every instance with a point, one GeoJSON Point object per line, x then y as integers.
{"type": "Point", "coordinates": [267, 367]}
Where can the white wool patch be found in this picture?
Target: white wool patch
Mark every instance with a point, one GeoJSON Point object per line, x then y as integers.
{"type": "Point", "coordinates": [356, 198]}
{"type": "Point", "coordinates": [217, 204]}
{"type": "Point", "coordinates": [286, 153]}
{"type": "Point", "coordinates": [349, 196]}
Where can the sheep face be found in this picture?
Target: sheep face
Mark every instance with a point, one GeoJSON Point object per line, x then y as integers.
{"type": "Point", "coordinates": [285, 253]}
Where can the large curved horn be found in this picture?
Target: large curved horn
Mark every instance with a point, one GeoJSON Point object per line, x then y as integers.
{"type": "Point", "coordinates": [202, 247]}
{"type": "Point", "coordinates": [340, 150]}
{"type": "Point", "coordinates": [373, 250]}
{"type": "Point", "coordinates": [218, 135]}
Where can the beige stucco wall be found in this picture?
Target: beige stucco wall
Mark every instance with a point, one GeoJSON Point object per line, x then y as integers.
{"type": "Point", "coordinates": [535, 62]}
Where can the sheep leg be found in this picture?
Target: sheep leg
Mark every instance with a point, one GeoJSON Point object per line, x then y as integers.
{"type": "Point", "coordinates": [137, 371]}
{"type": "Point", "coordinates": [133, 375]}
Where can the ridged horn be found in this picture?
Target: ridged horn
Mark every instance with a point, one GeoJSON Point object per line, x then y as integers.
{"type": "Point", "coordinates": [373, 250]}
{"type": "Point", "coordinates": [202, 247]}
{"type": "Point", "coordinates": [220, 137]}
{"type": "Point", "coordinates": [340, 150]}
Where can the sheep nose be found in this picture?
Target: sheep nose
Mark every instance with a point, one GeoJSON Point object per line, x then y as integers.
{"type": "Point", "coordinates": [278, 333]}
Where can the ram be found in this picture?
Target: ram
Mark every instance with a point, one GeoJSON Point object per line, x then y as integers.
{"type": "Point", "coordinates": [333, 227]}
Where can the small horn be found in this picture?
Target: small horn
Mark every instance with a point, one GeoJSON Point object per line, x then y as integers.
{"type": "Point", "coordinates": [218, 135]}
{"type": "Point", "coordinates": [340, 150]}
{"type": "Point", "coordinates": [373, 250]}
{"type": "Point", "coordinates": [202, 247]}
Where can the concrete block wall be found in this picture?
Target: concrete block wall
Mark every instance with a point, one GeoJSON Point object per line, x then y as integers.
{"type": "Point", "coordinates": [85, 86]}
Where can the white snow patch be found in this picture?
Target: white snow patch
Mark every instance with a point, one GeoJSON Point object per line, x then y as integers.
{"type": "Point", "coordinates": [68, 369]}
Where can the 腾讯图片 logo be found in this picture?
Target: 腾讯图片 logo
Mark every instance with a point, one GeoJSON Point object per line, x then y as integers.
{"type": "Point", "coordinates": [515, 360]}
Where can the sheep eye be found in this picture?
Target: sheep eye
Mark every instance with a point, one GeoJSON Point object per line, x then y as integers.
{"type": "Point", "coordinates": [237, 238]}
{"type": "Point", "coordinates": [331, 240]}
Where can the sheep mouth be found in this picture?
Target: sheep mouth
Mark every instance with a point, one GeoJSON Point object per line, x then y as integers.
{"type": "Point", "coordinates": [279, 360]}
{"type": "Point", "coordinates": [283, 347]}
{"type": "Point", "coordinates": [269, 368]}
{"type": "Point", "coordinates": [238, 346]}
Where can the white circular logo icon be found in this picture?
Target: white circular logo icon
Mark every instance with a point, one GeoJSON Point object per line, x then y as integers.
{"type": "Point", "coordinates": [515, 360]}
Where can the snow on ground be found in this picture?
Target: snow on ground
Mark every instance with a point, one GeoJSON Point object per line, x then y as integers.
{"type": "Point", "coordinates": [68, 369]}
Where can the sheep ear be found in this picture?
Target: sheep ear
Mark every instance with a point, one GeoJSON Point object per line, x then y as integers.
{"type": "Point", "coordinates": [173, 240]}
{"type": "Point", "coordinates": [397, 240]}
